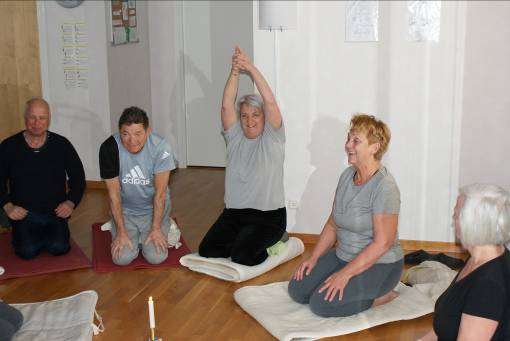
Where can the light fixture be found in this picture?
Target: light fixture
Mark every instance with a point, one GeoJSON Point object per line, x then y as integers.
{"type": "Point", "coordinates": [277, 15]}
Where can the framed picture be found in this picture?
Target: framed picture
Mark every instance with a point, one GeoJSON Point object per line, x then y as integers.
{"type": "Point", "coordinates": [124, 22]}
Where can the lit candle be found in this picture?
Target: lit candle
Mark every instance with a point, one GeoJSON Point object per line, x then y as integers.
{"type": "Point", "coordinates": [152, 323]}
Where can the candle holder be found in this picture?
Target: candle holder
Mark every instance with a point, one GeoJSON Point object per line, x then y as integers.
{"type": "Point", "coordinates": [153, 336]}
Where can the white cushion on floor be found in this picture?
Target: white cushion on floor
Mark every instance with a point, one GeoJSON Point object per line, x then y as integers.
{"type": "Point", "coordinates": [285, 319]}
{"type": "Point", "coordinates": [65, 319]}
{"type": "Point", "coordinates": [224, 268]}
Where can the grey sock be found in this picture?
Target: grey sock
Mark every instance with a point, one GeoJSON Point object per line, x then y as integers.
{"type": "Point", "coordinates": [285, 237]}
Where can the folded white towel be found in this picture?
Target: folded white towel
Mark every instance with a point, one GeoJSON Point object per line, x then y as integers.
{"type": "Point", "coordinates": [285, 319]}
{"type": "Point", "coordinates": [224, 268]}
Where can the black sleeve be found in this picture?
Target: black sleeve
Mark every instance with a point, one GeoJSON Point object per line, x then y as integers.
{"type": "Point", "coordinates": [109, 167]}
{"type": "Point", "coordinates": [75, 174]}
{"type": "Point", "coordinates": [4, 193]}
{"type": "Point", "coordinates": [486, 299]}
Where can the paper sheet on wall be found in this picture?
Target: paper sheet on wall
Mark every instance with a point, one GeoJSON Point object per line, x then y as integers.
{"type": "Point", "coordinates": [362, 21]}
{"type": "Point", "coordinates": [75, 59]}
{"type": "Point", "coordinates": [124, 22]}
{"type": "Point", "coordinates": [424, 20]}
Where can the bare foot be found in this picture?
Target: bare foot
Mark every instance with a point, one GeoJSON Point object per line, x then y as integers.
{"type": "Point", "coordinates": [385, 299]}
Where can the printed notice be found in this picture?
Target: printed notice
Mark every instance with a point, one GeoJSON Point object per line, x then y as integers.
{"type": "Point", "coordinates": [362, 21]}
{"type": "Point", "coordinates": [75, 57]}
{"type": "Point", "coordinates": [424, 20]}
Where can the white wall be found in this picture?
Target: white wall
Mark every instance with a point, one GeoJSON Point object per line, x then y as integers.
{"type": "Point", "coordinates": [119, 77]}
{"type": "Point", "coordinates": [419, 89]}
{"type": "Point", "coordinates": [129, 71]}
{"type": "Point", "coordinates": [485, 141]}
{"type": "Point", "coordinates": [166, 73]}
{"type": "Point", "coordinates": [81, 115]}
{"type": "Point", "coordinates": [211, 30]}
{"type": "Point", "coordinates": [412, 86]}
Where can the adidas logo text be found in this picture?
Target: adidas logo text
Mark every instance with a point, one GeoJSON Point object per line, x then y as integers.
{"type": "Point", "coordinates": [135, 177]}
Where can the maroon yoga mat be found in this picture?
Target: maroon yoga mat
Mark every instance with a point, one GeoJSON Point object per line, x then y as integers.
{"type": "Point", "coordinates": [102, 258]}
{"type": "Point", "coordinates": [42, 264]}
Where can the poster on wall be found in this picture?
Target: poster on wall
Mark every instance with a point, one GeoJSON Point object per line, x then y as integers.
{"type": "Point", "coordinates": [362, 21]}
{"type": "Point", "coordinates": [124, 22]}
{"type": "Point", "coordinates": [75, 59]}
{"type": "Point", "coordinates": [424, 20]}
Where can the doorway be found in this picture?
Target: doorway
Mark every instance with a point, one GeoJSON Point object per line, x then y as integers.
{"type": "Point", "coordinates": [211, 29]}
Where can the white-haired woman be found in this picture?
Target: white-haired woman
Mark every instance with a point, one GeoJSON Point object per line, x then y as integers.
{"type": "Point", "coordinates": [476, 306]}
{"type": "Point", "coordinates": [254, 217]}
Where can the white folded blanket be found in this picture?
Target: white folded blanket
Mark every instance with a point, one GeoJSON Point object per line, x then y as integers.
{"type": "Point", "coordinates": [65, 319]}
{"type": "Point", "coordinates": [285, 319]}
{"type": "Point", "coordinates": [224, 268]}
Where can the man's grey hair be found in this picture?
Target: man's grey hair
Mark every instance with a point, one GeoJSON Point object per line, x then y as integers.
{"type": "Point", "coordinates": [485, 215]}
{"type": "Point", "coordinates": [35, 100]}
{"type": "Point", "coordinates": [253, 100]}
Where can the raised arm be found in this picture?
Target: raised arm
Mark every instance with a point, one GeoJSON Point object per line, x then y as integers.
{"type": "Point", "coordinates": [272, 111]}
{"type": "Point", "coordinates": [228, 103]}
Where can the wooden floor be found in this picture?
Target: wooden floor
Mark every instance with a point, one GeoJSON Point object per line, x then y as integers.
{"type": "Point", "coordinates": [189, 306]}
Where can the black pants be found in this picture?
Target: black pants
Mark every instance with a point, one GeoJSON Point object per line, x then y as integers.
{"type": "Point", "coordinates": [10, 321]}
{"type": "Point", "coordinates": [244, 235]}
{"type": "Point", "coordinates": [40, 232]}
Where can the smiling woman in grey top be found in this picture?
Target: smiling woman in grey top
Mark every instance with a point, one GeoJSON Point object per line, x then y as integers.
{"type": "Point", "coordinates": [354, 208]}
{"type": "Point", "coordinates": [254, 217]}
{"type": "Point", "coordinates": [367, 262]}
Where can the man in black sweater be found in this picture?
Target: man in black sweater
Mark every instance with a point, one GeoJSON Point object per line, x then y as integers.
{"type": "Point", "coordinates": [35, 167]}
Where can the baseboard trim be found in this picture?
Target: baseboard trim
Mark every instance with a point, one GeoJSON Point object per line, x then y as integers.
{"type": "Point", "coordinates": [92, 184]}
{"type": "Point", "coordinates": [311, 239]}
{"type": "Point", "coordinates": [407, 244]}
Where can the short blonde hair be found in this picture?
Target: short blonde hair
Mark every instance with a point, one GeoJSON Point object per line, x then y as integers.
{"type": "Point", "coordinates": [485, 215]}
{"type": "Point", "coordinates": [375, 130]}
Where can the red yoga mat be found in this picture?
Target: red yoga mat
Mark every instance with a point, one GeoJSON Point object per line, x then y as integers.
{"type": "Point", "coordinates": [42, 264]}
{"type": "Point", "coordinates": [102, 257]}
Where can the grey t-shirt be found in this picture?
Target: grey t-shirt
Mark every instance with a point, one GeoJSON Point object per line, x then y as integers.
{"type": "Point", "coordinates": [354, 208]}
{"type": "Point", "coordinates": [254, 174]}
{"type": "Point", "coordinates": [136, 174]}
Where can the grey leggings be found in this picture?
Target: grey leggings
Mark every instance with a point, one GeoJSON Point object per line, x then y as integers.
{"type": "Point", "coordinates": [10, 321]}
{"type": "Point", "coordinates": [358, 295]}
